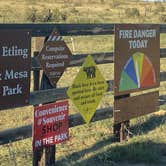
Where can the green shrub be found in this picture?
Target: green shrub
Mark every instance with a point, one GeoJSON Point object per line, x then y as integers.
{"type": "Point", "coordinates": [73, 10]}
{"type": "Point", "coordinates": [56, 17]}
{"type": "Point", "coordinates": [115, 3]}
{"type": "Point", "coordinates": [162, 18]}
{"type": "Point", "coordinates": [31, 14]}
{"type": "Point", "coordinates": [49, 15]}
{"type": "Point", "coordinates": [159, 7]}
{"type": "Point", "coordinates": [64, 16]}
{"type": "Point", "coordinates": [132, 12]}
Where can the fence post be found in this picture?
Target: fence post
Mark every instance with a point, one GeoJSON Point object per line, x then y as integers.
{"type": "Point", "coordinates": [121, 130]}
{"type": "Point", "coordinates": [48, 158]}
{"type": "Point", "coordinates": [73, 46]}
{"type": "Point", "coordinates": [124, 131]}
{"type": "Point", "coordinates": [37, 154]}
{"type": "Point", "coordinates": [49, 151]}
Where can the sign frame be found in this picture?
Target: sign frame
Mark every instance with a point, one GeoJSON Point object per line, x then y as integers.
{"type": "Point", "coordinates": [51, 124]}
{"type": "Point", "coordinates": [135, 106]}
{"type": "Point", "coordinates": [87, 89]}
{"type": "Point", "coordinates": [147, 46]}
{"type": "Point", "coordinates": [15, 68]}
{"type": "Point", "coordinates": [54, 57]}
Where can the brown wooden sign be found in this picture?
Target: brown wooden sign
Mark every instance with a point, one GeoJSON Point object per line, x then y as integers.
{"type": "Point", "coordinates": [15, 65]}
{"type": "Point", "coordinates": [137, 57]}
{"type": "Point", "coordinates": [54, 57]}
{"type": "Point", "coordinates": [132, 107]}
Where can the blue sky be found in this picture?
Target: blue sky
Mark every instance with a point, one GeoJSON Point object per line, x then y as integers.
{"type": "Point", "coordinates": [154, 0]}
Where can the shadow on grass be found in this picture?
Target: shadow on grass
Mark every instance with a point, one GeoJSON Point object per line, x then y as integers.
{"type": "Point", "coordinates": [77, 155]}
{"type": "Point", "coordinates": [144, 125]}
{"type": "Point", "coordinates": [138, 151]}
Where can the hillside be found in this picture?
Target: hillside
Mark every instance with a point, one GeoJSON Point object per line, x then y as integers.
{"type": "Point", "coordinates": [83, 11]}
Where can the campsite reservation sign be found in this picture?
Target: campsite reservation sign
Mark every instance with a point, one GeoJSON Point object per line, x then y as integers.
{"type": "Point", "coordinates": [87, 89]}
{"type": "Point", "coordinates": [137, 57]}
{"type": "Point", "coordinates": [50, 124]}
{"type": "Point", "coordinates": [54, 57]}
{"type": "Point", "coordinates": [15, 61]}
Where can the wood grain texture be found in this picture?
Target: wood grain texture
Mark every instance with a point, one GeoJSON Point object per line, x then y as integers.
{"type": "Point", "coordinates": [78, 59]}
{"type": "Point", "coordinates": [49, 152]}
{"type": "Point", "coordinates": [132, 107]}
{"type": "Point", "coordinates": [24, 132]}
{"type": "Point", "coordinates": [50, 95]}
{"type": "Point", "coordinates": [68, 29]}
{"type": "Point", "coordinates": [99, 58]}
{"type": "Point", "coordinates": [64, 29]}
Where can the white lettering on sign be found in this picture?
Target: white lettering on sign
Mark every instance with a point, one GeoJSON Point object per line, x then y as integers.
{"type": "Point", "coordinates": [38, 143]}
{"type": "Point", "coordinates": [61, 137]}
{"type": "Point", "coordinates": [125, 34]}
{"type": "Point", "coordinates": [138, 44]}
{"type": "Point", "coordinates": [53, 65]}
{"type": "Point", "coordinates": [8, 91]}
{"type": "Point", "coordinates": [145, 33]}
{"type": "Point", "coordinates": [55, 49]}
{"type": "Point", "coordinates": [140, 37]}
{"type": "Point", "coordinates": [48, 140]}
{"type": "Point", "coordinates": [11, 74]}
{"type": "Point", "coordinates": [53, 119]}
{"type": "Point", "coordinates": [40, 113]}
{"type": "Point", "coordinates": [55, 73]}
{"type": "Point", "coordinates": [52, 57]}
{"type": "Point", "coordinates": [14, 51]}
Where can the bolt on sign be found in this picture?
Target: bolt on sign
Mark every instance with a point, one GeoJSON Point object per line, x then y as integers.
{"type": "Point", "coordinates": [50, 124]}
{"type": "Point", "coordinates": [137, 57]}
{"type": "Point", "coordinates": [135, 106]}
{"type": "Point", "coordinates": [87, 89]}
{"type": "Point", "coordinates": [15, 65]}
{"type": "Point", "coordinates": [54, 57]}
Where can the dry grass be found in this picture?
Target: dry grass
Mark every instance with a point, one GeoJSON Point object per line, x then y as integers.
{"type": "Point", "coordinates": [91, 143]}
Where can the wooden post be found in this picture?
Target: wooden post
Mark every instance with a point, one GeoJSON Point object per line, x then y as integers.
{"type": "Point", "coordinates": [73, 46]}
{"type": "Point", "coordinates": [121, 130]}
{"type": "Point", "coordinates": [48, 158]}
{"type": "Point", "coordinates": [37, 157]}
{"type": "Point", "coordinates": [37, 154]}
{"type": "Point", "coordinates": [50, 153]}
{"type": "Point", "coordinates": [49, 150]}
{"type": "Point", "coordinates": [39, 41]}
{"type": "Point", "coordinates": [116, 131]}
{"type": "Point", "coordinates": [124, 131]}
